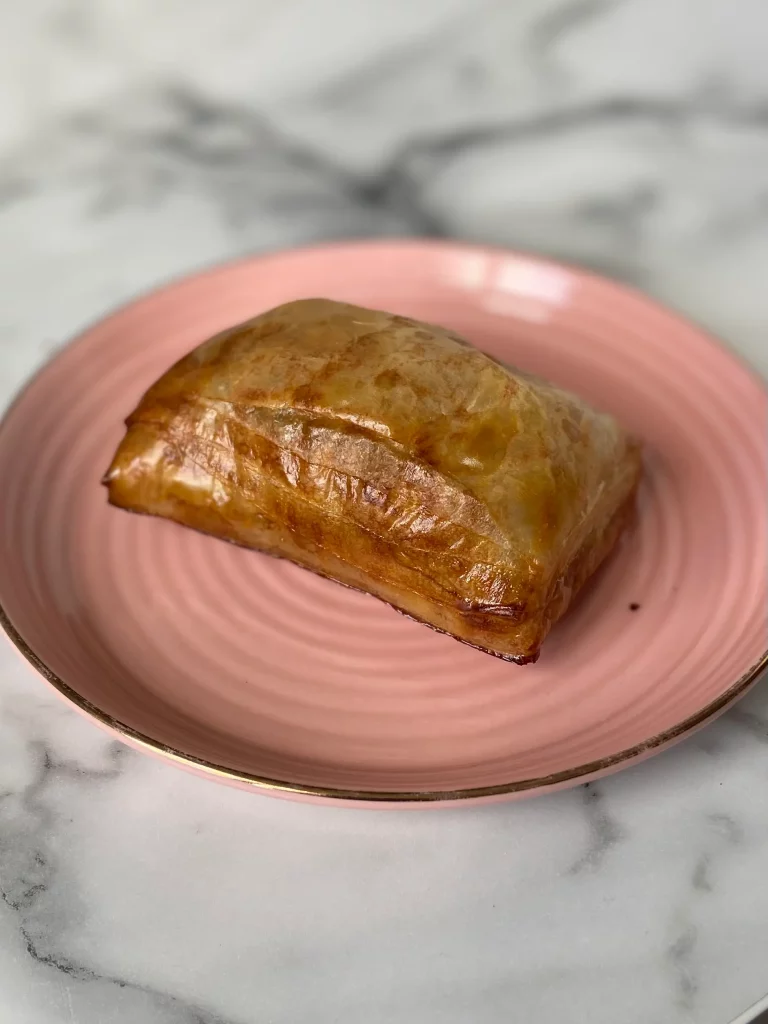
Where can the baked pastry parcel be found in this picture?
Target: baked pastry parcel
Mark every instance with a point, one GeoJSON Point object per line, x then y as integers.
{"type": "Point", "coordinates": [389, 455]}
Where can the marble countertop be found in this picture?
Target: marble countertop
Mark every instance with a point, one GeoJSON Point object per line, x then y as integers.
{"type": "Point", "coordinates": [144, 140]}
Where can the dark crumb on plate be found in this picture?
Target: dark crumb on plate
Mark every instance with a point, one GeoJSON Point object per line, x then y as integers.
{"type": "Point", "coordinates": [634, 606]}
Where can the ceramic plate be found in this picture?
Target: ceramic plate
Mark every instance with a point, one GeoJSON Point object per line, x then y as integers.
{"type": "Point", "coordinates": [258, 673]}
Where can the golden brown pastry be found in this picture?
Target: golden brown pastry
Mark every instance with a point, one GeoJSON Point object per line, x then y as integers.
{"type": "Point", "coordinates": [389, 455]}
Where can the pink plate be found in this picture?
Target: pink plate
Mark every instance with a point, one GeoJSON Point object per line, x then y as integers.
{"type": "Point", "coordinates": [261, 674]}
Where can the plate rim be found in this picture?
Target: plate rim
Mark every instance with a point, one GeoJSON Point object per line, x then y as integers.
{"type": "Point", "coordinates": [277, 786]}
{"type": "Point", "coordinates": [553, 780]}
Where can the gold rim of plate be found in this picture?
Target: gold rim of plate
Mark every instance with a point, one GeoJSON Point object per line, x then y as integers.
{"type": "Point", "coordinates": [133, 736]}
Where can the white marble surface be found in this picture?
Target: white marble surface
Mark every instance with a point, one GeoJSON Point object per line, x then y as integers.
{"type": "Point", "coordinates": [141, 140]}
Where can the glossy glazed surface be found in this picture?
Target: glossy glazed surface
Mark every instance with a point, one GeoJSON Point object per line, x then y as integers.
{"type": "Point", "coordinates": [392, 456]}
{"type": "Point", "coordinates": [250, 667]}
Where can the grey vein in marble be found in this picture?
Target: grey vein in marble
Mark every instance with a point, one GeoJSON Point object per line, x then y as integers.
{"type": "Point", "coordinates": [25, 824]}
{"type": "Point", "coordinates": [754, 724]}
{"type": "Point", "coordinates": [604, 830]}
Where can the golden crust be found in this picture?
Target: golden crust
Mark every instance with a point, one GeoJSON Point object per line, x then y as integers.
{"type": "Point", "coordinates": [391, 456]}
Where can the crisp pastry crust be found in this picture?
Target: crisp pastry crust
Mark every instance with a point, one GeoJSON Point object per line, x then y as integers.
{"type": "Point", "coordinates": [391, 456]}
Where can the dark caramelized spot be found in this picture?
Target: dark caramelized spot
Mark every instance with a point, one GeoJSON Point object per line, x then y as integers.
{"type": "Point", "coordinates": [388, 379]}
{"type": "Point", "coordinates": [487, 445]}
{"type": "Point", "coordinates": [255, 396]}
{"type": "Point", "coordinates": [306, 396]}
{"type": "Point", "coordinates": [424, 445]}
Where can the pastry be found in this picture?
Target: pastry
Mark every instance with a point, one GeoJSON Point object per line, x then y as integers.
{"type": "Point", "coordinates": [389, 455]}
